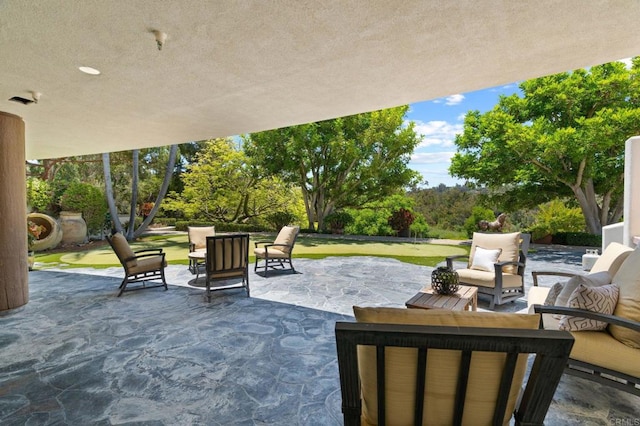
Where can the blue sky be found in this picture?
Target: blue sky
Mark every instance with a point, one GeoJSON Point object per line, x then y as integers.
{"type": "Point", "coordinates": [438, 121]}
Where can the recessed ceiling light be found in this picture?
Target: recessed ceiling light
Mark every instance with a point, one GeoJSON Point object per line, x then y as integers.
{"type": "Point", "coordinates": [89, 70]}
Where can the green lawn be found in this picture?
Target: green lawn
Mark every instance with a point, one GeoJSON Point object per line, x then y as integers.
{"type": "Point", "coordinates": [176, 248]}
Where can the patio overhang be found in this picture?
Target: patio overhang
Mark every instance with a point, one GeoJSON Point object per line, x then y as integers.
{"type": "Point", "coordinates": [234, 67]}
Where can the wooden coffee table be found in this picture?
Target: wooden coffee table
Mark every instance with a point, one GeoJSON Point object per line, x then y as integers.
{"type": "Point", "coordinates": [465, 299]}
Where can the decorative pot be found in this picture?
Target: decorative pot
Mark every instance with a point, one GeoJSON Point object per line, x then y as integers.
{"type": "Point", "coordinates": [52, 234]}
{"type": "Point", "coordinates": [74, 228]}
{"type": "Point", "coordinates": [444, 280]}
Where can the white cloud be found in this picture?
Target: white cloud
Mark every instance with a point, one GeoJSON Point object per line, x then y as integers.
{"type": "Point", "coordinates": [454, 99]}
{"type": "Point", "coordinates": [440, 133]}
{"type": "Point", "coordinates": [461, 116]}
{"type": "Point", "coordinates": [443, 158]}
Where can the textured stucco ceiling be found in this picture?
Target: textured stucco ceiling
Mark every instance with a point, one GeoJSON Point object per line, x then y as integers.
{"type": "Point", "coordinates": [231, 67]}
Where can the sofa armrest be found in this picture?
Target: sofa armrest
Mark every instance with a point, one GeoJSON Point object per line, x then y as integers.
{"type": "Point", "coordinates": [553, 273]}
{"type": "Point", "coordinates": [611, 319]}
{"type": "Point", "coordinates": [450, 259]}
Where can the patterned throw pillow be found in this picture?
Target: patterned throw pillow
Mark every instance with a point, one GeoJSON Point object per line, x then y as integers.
{"type": "Point", "coordinates": [484, 259]}
{"type": "Point", "coordinates": [553, 294]}
{"type": "Point", "coordinates": [595, 299]}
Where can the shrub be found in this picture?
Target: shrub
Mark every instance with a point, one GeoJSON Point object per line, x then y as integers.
{"type": "Point", "coordinates": [419, 227]}
{"type": "Point", "coordinates": [280, 219]}
{"type": "Point", "coordinates": [39, 196]}
{"type": "Point", "coordinates": [554, 217]}
{"type": "Point", "coordinates": [369, 222]}
{"type": "Point", "coordinates": [88, 200]}
{"type": "Point", "coordinates": [400, 220]}
{"type": "Point", "coordinates": [477, 214]}
{"type": "Point", "coordinates": [337, 220]}
{"type": "Point", "coordinates": [578, 239]}
{"type": "Point", "coordinates": [181, 225]}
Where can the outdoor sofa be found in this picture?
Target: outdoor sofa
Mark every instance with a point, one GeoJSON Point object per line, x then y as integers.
{"type": "Point", "coordinates": [606, 329]}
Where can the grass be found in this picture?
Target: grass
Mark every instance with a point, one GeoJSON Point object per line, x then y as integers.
{"type": "Point", "coordinates": [176, 249]}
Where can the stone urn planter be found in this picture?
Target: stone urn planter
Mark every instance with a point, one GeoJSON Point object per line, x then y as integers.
{"type": "Point", "coordinates": [74, 228]}
{"type": "Point", "coordinates": [50, 236]}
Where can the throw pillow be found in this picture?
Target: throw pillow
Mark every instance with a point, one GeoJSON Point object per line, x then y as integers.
{"type": "Point", "coordinates": [484, 259]}
{"type": "Point", "coordinates": [591, 280]}
{"type": "Point", "coordinates": [553, 294]}
{"type": "Point", "coordinates": [628, 279]}
{"type": "Point", "coordinates": [595, 299]}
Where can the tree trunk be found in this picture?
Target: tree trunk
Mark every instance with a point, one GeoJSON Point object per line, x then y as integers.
{"type": "Point", "coordinates": [134, 196]}
{"type": "Point", "coordinates": [108, 188]}
{"type": "Point", "coordinates": [590, 209]}
{"type": "Point", "coordinates": [163, 191]}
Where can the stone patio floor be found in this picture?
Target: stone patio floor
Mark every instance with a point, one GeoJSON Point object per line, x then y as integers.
{"type": "Point", "coordinates": [77, 355]}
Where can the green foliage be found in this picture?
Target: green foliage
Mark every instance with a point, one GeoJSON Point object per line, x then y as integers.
{"type": "Point", "coordinates": [564, 137]}
{"type": "Point", "coordinates": [445, 207]}
{"type": "Point", "coordinates": [340, 163]}
{"type": "Point", "coordinates": [39, 196]}
{"type": "Point", "coordinates": [419, 227]}
{"type": "Point", "coordinates": [373, 218]}
{"type": "Point", "coordinates": [280, 219]}
{"type": "Point", "coordinates": [578, 239]}
{"type": "Point", "coordinates": [88, 200]}
{"type": "Point", "coordinates": [337, 220]}
{"type": "Point", "coordinates": [401, 219]}
{"type": "Point", "coordinates": [554, 217]}
{"type": "Point", "coordinates": [223, 185]}
{"type": "Point", "coordinates": [478, 213]}
{"type": "Point", "coordinates": [182, 225]}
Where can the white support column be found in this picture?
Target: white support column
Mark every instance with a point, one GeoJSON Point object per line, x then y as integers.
{"type": "Point", "coordinates": [631, 196]}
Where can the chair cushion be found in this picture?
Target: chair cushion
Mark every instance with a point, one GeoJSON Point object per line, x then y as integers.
{"type": "Point", "coordinates": [595, 299]}
{"type": "Point", "coordinates": [485, 259]}
{"type": "Point", "coordinates": [442, 368]}
{"type": "Point", "coordinates": [227, 254]}
{"type": "Point", "coordinates": [148, 264]}
{"type": "Point", "coordinates": [274, 253]}
{"type": "Point", "coordinates": [628, 280]}
{"type": "Point", "coordinates": [287, 236]}
{"type": "Point", "coordinates": [591, 280]}
{"type": "Point", "coordinates": [612, 258]}
{"type": "Point", "coordinates": [123, 250]}
{"type": "Point", "coordinates": [487, 279]}
{"type": "Point", "coordinates": [509, 243]}
{"type": "Point", "coordinates": [198, 235]}
{"type": "Point", "coordinates": [597, 347]}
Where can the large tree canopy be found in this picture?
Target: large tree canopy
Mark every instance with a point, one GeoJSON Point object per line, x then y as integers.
{"type": "Point", "coordinates": [339, 163]}
{"type": "Point", "coordinates": [223, 185]}
{"type": "Point", "coordinates": [564, 137]}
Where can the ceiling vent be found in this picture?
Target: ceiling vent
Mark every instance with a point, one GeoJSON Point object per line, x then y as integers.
{"type": "Point", "coordinates": [22, 100]}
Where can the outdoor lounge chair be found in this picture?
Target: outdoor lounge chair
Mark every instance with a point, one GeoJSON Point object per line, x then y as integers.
{"type": "Point", "coordinates": [198, 243]}
{"type": "Point", "coordinates": [424, 367]}
{"type": "Point", "coordinates": [227, 259]}
{"type": "Point", "coordinates": [139, 266]}
{"type": "Point", "coordinates": [607, 342]}
{"type": "Point", "coordinates": [496, 265]}
{"type": "Point", "coordinates": [277, 254]}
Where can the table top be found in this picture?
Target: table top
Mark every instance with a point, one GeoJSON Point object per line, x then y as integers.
{"type": "Point", "coordinates": [463, 299]}
{"type": "Point", "coordinates": [197, 254]}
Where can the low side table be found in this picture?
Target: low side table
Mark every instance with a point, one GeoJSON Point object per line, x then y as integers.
{"type": "Point", "coordinates": [465, 299]}
{"type": "Point", "coordinates": [196, 260]}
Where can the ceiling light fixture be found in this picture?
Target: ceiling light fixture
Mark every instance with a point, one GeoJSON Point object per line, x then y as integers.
{"type": "Point", "coordinates": [36, 96]}
{"type": "Point", "coordinates": [89, 70]}
{"type": "Point", "coordinates": [160, 38]}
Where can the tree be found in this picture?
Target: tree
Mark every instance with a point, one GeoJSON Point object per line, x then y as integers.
{"type": "Point", "coordinates": [132, 232]}
{"type": "Point", "coordinates": [564, 137]}
{"type": "Point", "coordinates": [223, 185]}
{"type": "Point", "coordinates": [340, 163]}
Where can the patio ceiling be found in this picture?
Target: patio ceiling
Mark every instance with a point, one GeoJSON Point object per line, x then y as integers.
{"type": "Point", "coordinates": [231, 67]}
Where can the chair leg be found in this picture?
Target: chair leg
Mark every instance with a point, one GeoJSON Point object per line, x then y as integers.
{"type": "Point", "coordinates": [123, 286]}
{"type": "Point", "coordinates": [164, 281]}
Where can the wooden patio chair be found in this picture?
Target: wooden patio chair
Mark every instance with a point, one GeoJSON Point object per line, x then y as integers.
{"type": "Point", "coordinates": [139, 266]}
{"type": "Point", "coordinates": [403, 373]}
{"type": "Point", "coordinates": [277, 254]}
{"type": "Point", "coordinates": [227, 259]}
{"type": "Point", "coordinates": [496, 265]}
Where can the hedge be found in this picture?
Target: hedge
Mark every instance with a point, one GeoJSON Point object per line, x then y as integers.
{"type": "Point", "coordinates": [181, 225]}
{"type": "Point", "coordinates": [577, 239]}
